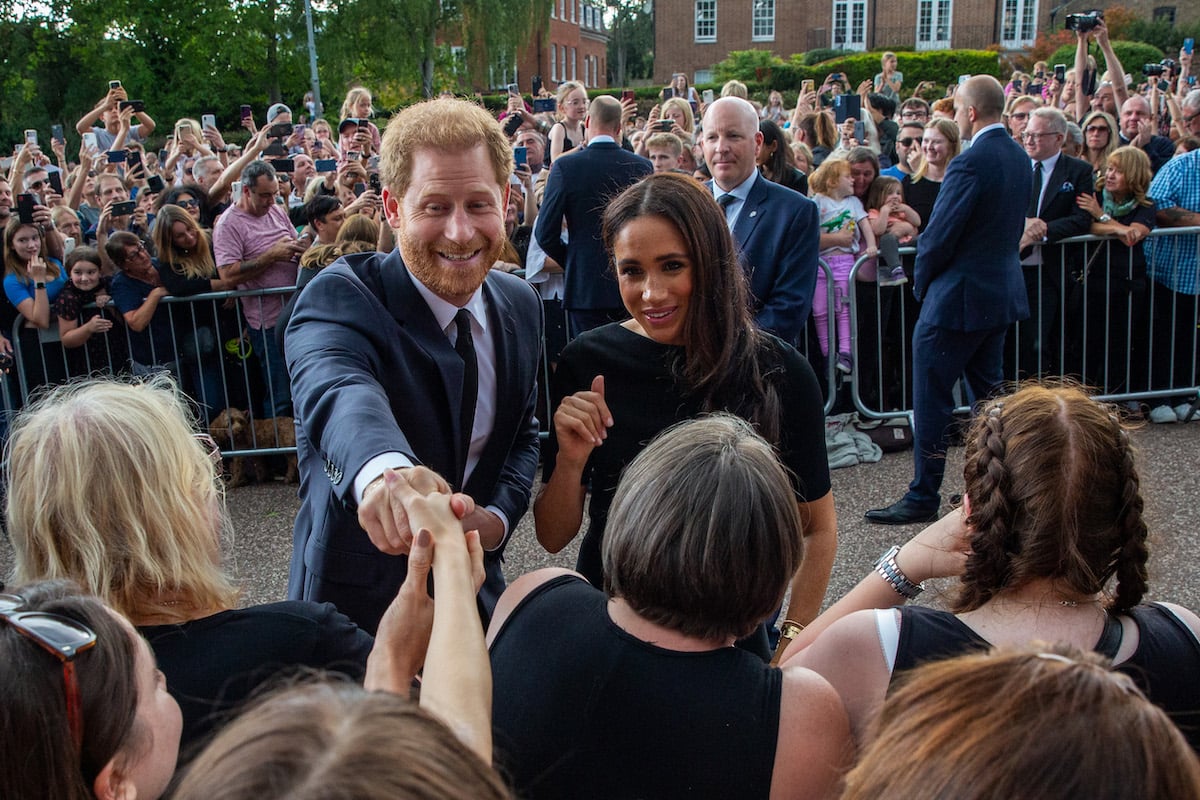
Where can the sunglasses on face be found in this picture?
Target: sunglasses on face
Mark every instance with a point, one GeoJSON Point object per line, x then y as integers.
{"type": "Point", "coordinates": [1019, 115]}
{"type": "Point", "coordinates": [62, 638]}
{"type": "Point", "coordinates": [189, 203]}
{"type": "Point", "coordinates": [908, 141]}
{"type": "Point", "coordinates": [1096, 129]}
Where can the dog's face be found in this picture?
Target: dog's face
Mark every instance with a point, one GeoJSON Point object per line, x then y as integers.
{"type": "Point", "coordinates": [228, 427]}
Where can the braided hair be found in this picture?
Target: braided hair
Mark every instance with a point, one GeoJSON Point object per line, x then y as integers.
{"type": "Point", "coordinates": [1055, 494]}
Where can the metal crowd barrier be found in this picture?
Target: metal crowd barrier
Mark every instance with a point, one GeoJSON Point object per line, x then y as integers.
{"type": "Point", "coordinates": [208, 348]}
{"type": "Point", "coordinates": [1096, 317]}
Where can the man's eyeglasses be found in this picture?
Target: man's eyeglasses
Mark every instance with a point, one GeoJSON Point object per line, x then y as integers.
{"type": "Point", "coordinates": [913, 115]}
{"type": "Point", "coordinates": [62, 638]}
{"type": "Point", "coordinates": [907, 141]}
{"type": "Point", "coordinates": [1030, 136]}
{"type": "Point", "coordinates": [38, 184]}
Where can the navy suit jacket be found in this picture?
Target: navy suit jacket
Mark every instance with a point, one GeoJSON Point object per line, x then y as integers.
{"type": "Point", "coordinates": [372, 372]}
{"type": "Point", "coordinates": [779, 242]}
{"type": "Point", "coordinates": [1070, 178]}
{"type": "Point", "coordinates": [967, 273]}
{"type": "Point", "coordinates": [578, 189]}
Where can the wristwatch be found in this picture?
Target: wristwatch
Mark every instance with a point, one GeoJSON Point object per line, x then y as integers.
{"type": "Point", "coordinates": [1104, 218]}
{"type": "Point", "coordinates": [39, 285]}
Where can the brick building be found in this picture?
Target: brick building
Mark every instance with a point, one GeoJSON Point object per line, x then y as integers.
{"type": "Point", "coordinates": [691, 36]}
{"type": "Point", "coordinates": [575, 49]}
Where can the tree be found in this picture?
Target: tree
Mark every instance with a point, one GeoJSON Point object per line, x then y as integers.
{"type": "Point", "coordinates": [631, 40]}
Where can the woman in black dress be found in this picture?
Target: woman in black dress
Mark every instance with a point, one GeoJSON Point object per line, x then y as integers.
{"type": "Point", "coordinates": [690, 347]}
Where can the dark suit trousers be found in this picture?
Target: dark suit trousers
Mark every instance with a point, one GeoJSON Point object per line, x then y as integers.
{"type": "Point", "coordinates": [940, 357]}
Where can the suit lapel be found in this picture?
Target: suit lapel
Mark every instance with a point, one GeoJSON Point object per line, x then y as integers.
{"type": "Point", "coordinates": [752, 211]}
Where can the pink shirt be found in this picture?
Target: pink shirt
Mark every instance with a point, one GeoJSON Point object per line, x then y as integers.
{"type": "Point", "coordinates": [240, 236]}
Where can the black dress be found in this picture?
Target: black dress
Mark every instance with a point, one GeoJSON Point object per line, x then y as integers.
{"type": "Point", "coordinates": [645, 399]}
{"type": "Point", "coordinates": [583, 709]}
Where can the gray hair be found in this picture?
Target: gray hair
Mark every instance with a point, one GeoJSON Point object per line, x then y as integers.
{"type": "Point", "coordinates": [1056, 119]}
{"type": "Point", "coordinates": [1075, 133]}
{"type": "Point", "coordinates": [1192, 100]}
{"type": "Point", "coordinates": [255, 170]}
{"type": "Point", "coordinates": [198, 167]}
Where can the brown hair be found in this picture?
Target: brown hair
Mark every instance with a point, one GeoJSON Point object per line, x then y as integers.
{"type": "Point", "coordinates": [1054, 494]}
{"type": "Point", "coordinates": [12, 264]}
{"type": "Point", "coordinates": [448, 126]}
{"type": "Point", "coordinates": [819, 130]}
{"type": "Point", "coordinates": [703, 534]}
{"type": "Point", "coordinates": [302, 743]}
{"type": "Point", "coordinates": [879, 189]}
{"type": "Point", "coordinates": [196, 264]}
{"type": "Point", "coordinates": [40, 759]}
{"type": "Point", "coordinates": [1045, 722]}
{"type": "Point", "coordinates": [719, 363]}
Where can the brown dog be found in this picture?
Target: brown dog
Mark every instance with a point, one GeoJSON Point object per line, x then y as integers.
{"type": "Point", "coordinates": [233, 430]}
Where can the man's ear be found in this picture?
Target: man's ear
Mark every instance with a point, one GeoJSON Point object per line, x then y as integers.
{"type": "Point", "coordinates": [111, 784]}
{"type": "Point", "coordinates": [391, 207]}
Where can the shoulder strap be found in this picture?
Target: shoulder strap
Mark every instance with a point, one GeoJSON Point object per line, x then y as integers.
{"type": "Point", "coordinates": [1110, 638]}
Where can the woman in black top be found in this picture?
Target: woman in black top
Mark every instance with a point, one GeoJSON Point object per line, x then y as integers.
{"type": "Point", "coordinates": [775, 159]}
{"type": "Point", "coordinates": [690, 347]}
{"type": "Point", "coordinates": [188, 268]}
{"type": "Point", "coordinates": [1050, 546]}
{"type": "Point", "coordinates": [636, 691]}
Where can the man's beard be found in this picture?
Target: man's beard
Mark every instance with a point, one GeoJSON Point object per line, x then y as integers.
{"type": "Point", "coordinates": [423, 261]}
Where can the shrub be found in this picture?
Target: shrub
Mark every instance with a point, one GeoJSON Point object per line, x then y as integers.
{"type": "Point", "coordinates": [741, 64]}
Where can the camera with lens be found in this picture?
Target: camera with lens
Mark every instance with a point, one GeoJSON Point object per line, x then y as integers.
{"type": "Point", "coordinates": [1084, 22]}
{"type": "Point", "coordinates": [1153, 70]}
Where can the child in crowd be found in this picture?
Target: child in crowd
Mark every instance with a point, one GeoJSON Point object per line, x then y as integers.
{"type": "Point", "coordinates": [885, 197]}
{"type": "Point", "coordinates": [844, 237]}
{"type": "Point", "coordinates": [77, 325]}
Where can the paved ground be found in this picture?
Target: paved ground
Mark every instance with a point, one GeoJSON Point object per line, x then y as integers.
{"type": "Point", "coordinates": [1170, 463]}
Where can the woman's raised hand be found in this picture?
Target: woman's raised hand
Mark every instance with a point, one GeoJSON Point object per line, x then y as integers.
{"type": "Point", "coordinates": [581, 422]}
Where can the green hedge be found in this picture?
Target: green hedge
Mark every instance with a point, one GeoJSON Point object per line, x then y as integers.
{"type": "Point", "coordinates": [1132, 55]}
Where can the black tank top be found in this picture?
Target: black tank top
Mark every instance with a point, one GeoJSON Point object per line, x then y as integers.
{"type": "Point", "coordinates": [583, 709]}
{"type": "Point", "coordinates": [1165, 665]}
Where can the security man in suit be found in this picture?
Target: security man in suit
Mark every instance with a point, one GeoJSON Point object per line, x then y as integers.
{"type": "Point", "coordinates": [968, 279]}
{"type": "Point", "coordinates": [775, 228]}
{"type": "Point", "coordinates": [1053, 214]}
{"type": "Point", "coordinates": [579, 187]}
{"type": "Point", "coordinates": [421, 360]}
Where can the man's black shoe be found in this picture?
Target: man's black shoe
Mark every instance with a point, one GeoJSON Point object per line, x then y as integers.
{"type": "Point", "coordinates": [902, 512]}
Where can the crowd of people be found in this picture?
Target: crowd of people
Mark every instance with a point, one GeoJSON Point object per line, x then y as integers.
{"type": "Point", "coordinates": [669, 275]}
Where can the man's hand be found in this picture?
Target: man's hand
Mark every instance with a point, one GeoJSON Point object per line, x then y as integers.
{"type": "Point", "coordinates": [381, 512]}
{"type": "Point", "coordinates": [1145, 130]}
{"type": "Point", "coordinates": [284, 250]}
{"type": "Point", "coordinates": [1035, 232]}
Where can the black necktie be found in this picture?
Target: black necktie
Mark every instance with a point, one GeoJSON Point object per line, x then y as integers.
{"type": "Point", "coordinates": [726, 200]}
{"type": "Point", "coordinates": [464, 345]}
{"type": "Point", "coordinates": [1036, 196]}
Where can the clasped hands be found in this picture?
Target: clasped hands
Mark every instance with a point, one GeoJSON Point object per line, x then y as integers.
{"type": "Point", "coordinates": [387, 511]}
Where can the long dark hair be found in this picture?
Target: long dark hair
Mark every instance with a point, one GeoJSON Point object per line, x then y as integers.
{"type": "Point", "coordinates": [779, 161]}
{"type": "Point", "coordinates": [721, 343]}
{"type": "Point", "coordinates": [41, 761]}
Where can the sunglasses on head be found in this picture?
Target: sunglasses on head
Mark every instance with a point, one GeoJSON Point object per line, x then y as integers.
{"type": "Point", "coordinates": [61, 637]}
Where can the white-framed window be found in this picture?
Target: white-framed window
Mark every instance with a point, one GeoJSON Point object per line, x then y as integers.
{"type": "Point", "coordinates": [933, 24]}
{"type": "Point", "coordinates": [762, 21]}
{"type": "Point", "coordinates": [706, 20]}
{"type": "Point", "coordinates": [562, 63]}
{"type": "Point", "coordinates": [553, 62]}
{"type": "Point", "coordinates": [849, 25]}
{"type": "Point", "coordinates": [1019, 25]}
{"type": "Point", "coordinates": [562, 10]}
{"type": "Point", "coordinates": [553, 10]}
{"type": "Point", "coordinates": [573, 64]}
